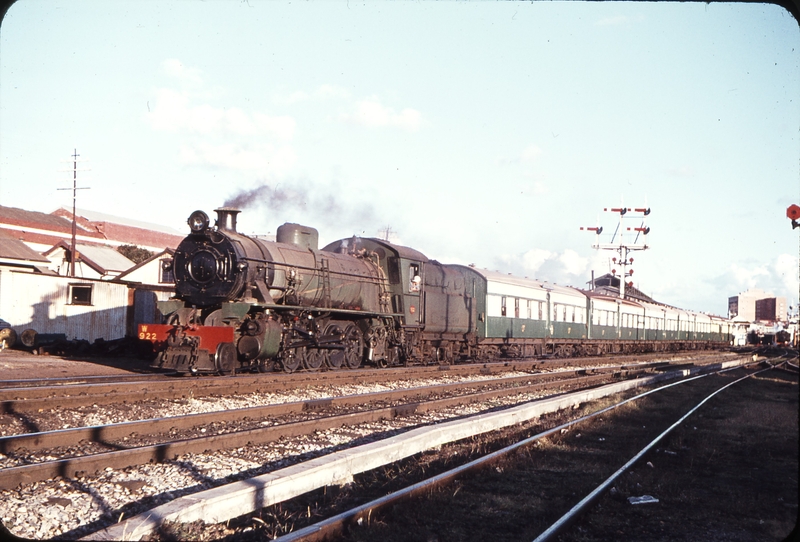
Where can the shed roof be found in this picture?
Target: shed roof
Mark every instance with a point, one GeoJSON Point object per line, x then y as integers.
{"type": "Point", "coordinates": [22, 217]}
{"type": "Point", "coordinates": [95, 216]}
{"type": "Point", "coordinates": [101, 258]}
{"type": "Point", "coordinates": [14, 249]}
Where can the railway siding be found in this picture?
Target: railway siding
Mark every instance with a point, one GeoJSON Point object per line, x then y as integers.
{"type": "Point", "coordinates": [728, 473]}
{"type": "Point", "coordinates": [225, 502]}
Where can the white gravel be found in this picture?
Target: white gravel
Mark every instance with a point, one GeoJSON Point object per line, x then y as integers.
{"type": "Point", "coordinates": [73, 508]}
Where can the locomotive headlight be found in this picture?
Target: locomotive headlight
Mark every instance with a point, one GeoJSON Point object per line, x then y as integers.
{"type": "Point", "coordinates": [198, 221]}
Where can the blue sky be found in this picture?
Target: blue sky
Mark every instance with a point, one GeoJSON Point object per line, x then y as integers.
{"type": "Point", "coordinates": [479, 132]}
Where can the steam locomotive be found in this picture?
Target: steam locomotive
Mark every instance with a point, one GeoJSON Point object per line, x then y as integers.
{"type": "Point", "coordinates": [243, 303]}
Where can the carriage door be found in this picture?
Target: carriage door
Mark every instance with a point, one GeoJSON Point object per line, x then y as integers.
{"type": "Point", "coordinates": [413, 292]}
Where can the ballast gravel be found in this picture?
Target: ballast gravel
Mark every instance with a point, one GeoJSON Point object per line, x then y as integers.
{"type": "Point", "coordinates": [69, 509]}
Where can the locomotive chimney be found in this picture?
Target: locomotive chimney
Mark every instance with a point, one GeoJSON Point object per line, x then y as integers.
{"type": "Point", "coordinates": [226, 218]}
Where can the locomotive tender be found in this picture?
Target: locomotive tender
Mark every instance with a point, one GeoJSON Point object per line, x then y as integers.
{"type": "Point", "coordinates": [245, 303]}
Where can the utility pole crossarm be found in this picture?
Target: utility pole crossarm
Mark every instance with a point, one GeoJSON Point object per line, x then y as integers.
{"type": "Point", "coordinates": [74, 189]}
{"type": "Point", "coordinates": [622, 246]}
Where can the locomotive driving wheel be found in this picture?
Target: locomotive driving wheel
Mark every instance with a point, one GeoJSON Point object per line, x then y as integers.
{"type": "Point", "coordinates": [225, 358]}
{"type": "Point", "coordinates": [333, 358]}
{"type": "Point", "coordinates": [292, 360]}
{"type": "Point", "coordinates": [265, 366]}
{"type": "Point", "coordinates": [313, 359]}
{"type": "Point", "coordinates": [353, 346]}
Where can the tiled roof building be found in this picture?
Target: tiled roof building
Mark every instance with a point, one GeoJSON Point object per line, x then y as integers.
{"type": "Point", "coordinates": [42, 231]}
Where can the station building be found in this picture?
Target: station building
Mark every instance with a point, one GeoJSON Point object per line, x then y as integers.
{"type": "Point", "coordinates": [756, 305]}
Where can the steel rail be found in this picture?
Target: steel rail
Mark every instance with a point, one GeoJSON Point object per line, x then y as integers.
{"type": "Point", "coordinates": [73, 467]}
{"type": "Point", "coordinates": [334, 526]}
{"type": "Point", "coordinates": [107, 434]}
{"type": "Point", "coordinates": [562, 523]}
{"type": "Point", "coordinates": [39, 399]}
{"type": "Point", "coordinates": [26, 383]}
{"type": "Point", "coordinates": [250, 382]}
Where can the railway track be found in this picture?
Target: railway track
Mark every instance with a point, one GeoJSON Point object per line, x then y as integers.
{"type": "Point", "coordinates": [77, 452]}
{"type": "Point", "coordinates": [388, 516]}
{"type": "Point", "coordinates": [65, 394]}
{"type": "Point", "coordinates": [24, 383]}
{"type": "Point", "coordinates": [243, 427]}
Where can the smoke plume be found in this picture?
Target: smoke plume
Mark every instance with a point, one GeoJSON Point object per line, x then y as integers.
{"type": "Point", "coordinates": [323, 204]}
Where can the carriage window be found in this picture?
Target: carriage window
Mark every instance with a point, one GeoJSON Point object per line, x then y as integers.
{"type": "Point", "coordinates": [503, 306]}
{"type": "Point", "coordinates": [516, 307]}
{"type": "Point", "coordinates": [530, 309]}
{"type": "Point", "coordinates": [540, 310]}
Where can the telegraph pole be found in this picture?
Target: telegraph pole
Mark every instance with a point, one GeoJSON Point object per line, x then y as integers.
{"type": "Point", "coordinates": [74, 189]}
{"type": "Point", "coordinates": [387, 231]}
{"type": "Point", "coordinates": [621, 246]}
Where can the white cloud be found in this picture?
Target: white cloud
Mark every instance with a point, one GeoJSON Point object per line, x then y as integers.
{"type": "Point", "coordinates": [169, 110]}
{"type": "Point", "coordinates": [259, 158]}
{"type": "Point", "coordinates": [172, 112]}
{"type": "Point", "coordinates": [786, 270]}
{"type": "Point", "coordinates": [778, 277]}
{"type": "Point", "coordinates": [539, 263]}
{"type": "Point", "coordinates": [530, 154]}
{"type": "Point", "coordinates": [282, 127]}
{"type": "Point", "coordinates": [746, 278]}
{"type": "Point", "coordinates": [203, 119]}
{"type": "Point", "coordinates": [534, 258]}
{"type": "Point", "coordinates": [540, 188]}
{"type": "Point", "coordinates": [372, 114]}
{"type": "Point", "coordinates": [572, 262]}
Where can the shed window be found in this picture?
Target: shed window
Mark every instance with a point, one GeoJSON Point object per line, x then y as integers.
{"type": "Point", "coordinates": [80, 294]}
{"type": "Point", "coordinates": [167, 274]}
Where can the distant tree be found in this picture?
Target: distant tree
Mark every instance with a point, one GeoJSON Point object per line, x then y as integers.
{"type": "Point", "coordinates": [134, 253]}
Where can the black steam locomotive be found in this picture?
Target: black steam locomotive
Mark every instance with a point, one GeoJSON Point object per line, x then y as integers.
{"type": "Point", "coordinates": [246, 303]}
